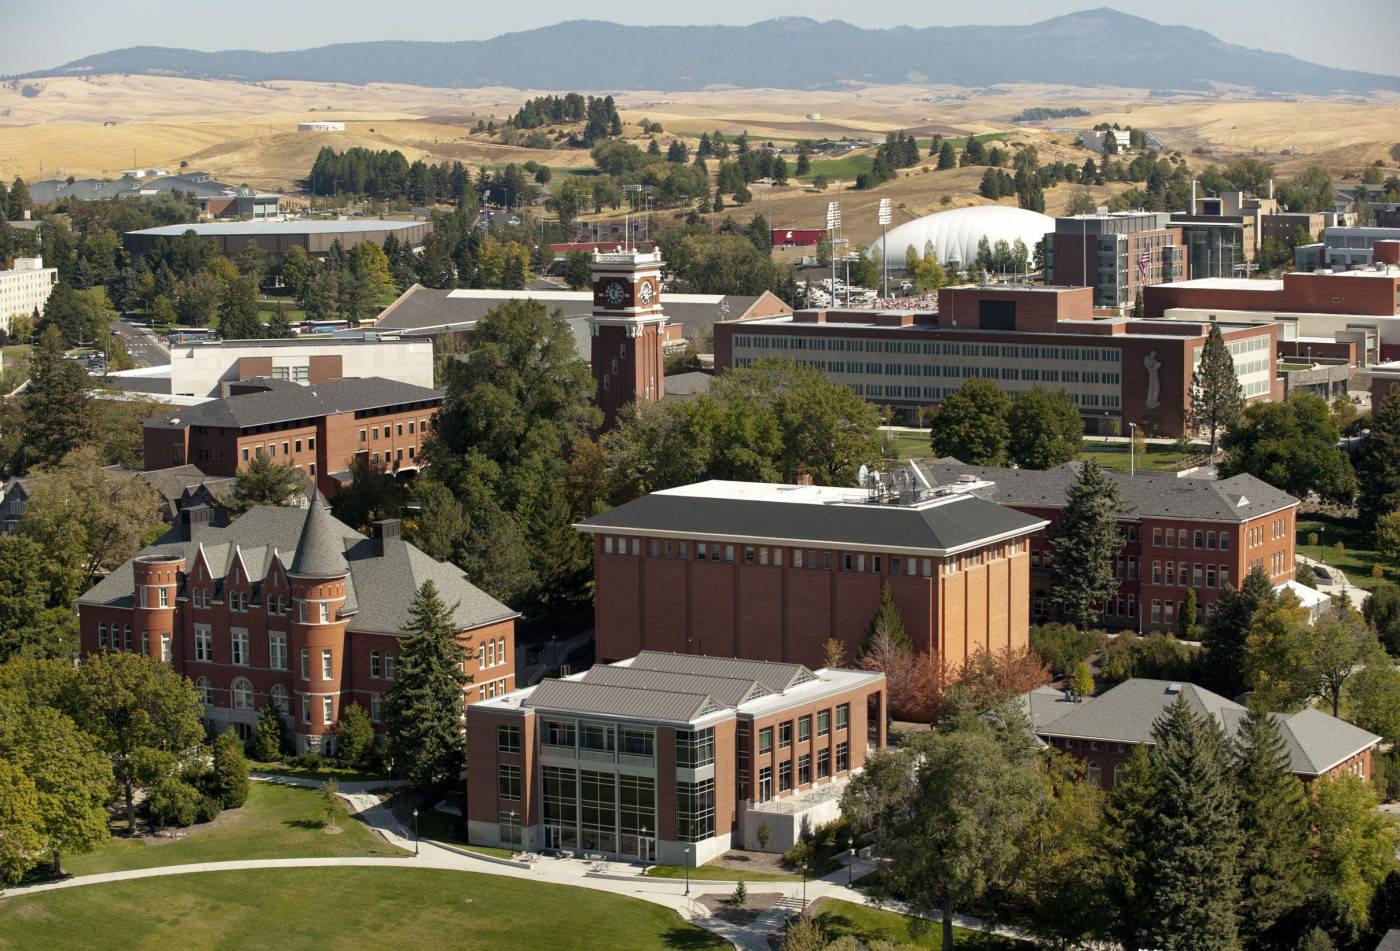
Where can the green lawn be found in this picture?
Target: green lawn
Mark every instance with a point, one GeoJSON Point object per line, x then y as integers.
{"type": "Point", "coordinates": [872, 924]}
{"type": "Point", "coordinates": [1356, 558]}
{"type": "Point", "coordinates": [277, 822]}
{"type": "Point", "coordinates": [15, 368]}
{"type": "Point", "coordinates": [1155, 459]}
{"type": "Point", "coordinates": [718, 873]}
{"type": "Point", "coordinates": [904, 446]}
{"type": "Point", "coordinates": [847, 167]}
{"type": "Point", "coordinates": [321, 772]}
{"type": "Point", "coordinates": [341, 909]}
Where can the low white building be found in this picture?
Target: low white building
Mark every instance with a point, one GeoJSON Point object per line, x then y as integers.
{"type": "Point", "coordinates": [320, 126]}
{"type": "Point", "coordinates": [24, 290]}
{"type": "Point", "coordinates": [210, 369]}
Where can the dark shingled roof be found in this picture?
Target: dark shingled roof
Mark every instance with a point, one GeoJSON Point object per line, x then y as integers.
{"type": "Point", "coordinates": [959, 522]}
{"type": "Point", "coordinates": [380, 588]}
{"type": "Point", "coordinates": [1236, 499]}
{"type": "Point", "coordinates": [295, 402]}
{"type": "Point", "coordinates": [321, 548]}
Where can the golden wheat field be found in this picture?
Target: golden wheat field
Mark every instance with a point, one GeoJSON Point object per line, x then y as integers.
{"type": "Point", "coordinates": [246, 133]}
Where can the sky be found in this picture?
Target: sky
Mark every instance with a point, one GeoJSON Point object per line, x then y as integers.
{"type": "Point", "coordinates": [1363, 38]}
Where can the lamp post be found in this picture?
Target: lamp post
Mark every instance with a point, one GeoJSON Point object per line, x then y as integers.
{"type": "Point", "coordinates": [1132, 449]}
{"type": "Point", "coordinates": [415, 832]}
{"type": "Point", "coordinates": [687, 870]}
{"type": "Point", "coordinates": [804, 887]}
{"type": "Point", "coordinates": [851, 865]}
{"type": "Point", "coordinates": [643, 849]}
{"type": "Point", "coordinates": [884, 249]}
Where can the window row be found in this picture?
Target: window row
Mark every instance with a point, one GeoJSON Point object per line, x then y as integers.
{"type": "Point", "coordinates": [270, 449]}
{"type": "Point", "coordinates": [1199, 539]}
{"type": "Point", "coordinates": [804, 728]}
{"type": "Point", "coordinates": [1201, 576]}
{"type": "Point", "coordinates": [390, 430]}
{"type": "Point", "coordinates": [932, 348]}
{"type": "Point", "coordinates": [491, 652]}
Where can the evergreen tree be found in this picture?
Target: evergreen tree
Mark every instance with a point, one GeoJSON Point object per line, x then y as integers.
{"type": "Point", "coordinates": [423, 710]}
{"type": "Point", "coordinates": [1216, 397]}
{"type": "Point", "coordinates": [264, 482]}
{"type": "Point", "coordinates": [230, 771]}
{"type": "Point", "coordinates": [887, 624]}
{"type": "Point", "coordinates": [58, 415]}
{"type": "Point", "coordinates": [278, 327]}
{"type": "Point", "coordinates": [1086, 542]}
{"type": "Point", "coordinates": [1186, 623]}
{"type": "Point", "coordinates": [1139, 308]}
{"type": "Point", "coordinates": [1274, 873]}
{"type": "Point", "coordinates": [1190, 885]}
{"type": "Point", "coordinates": [1227, 630]}
{"type": "Point", "coordinates": [1378, 463]}
{"type": "Point", "coordinates": [971, 424]}
{"type": "Point", "coordinates": [947, 156]}
{"type": "Point", "coordinates": [355, 739]}
{"type": "Point", "coordinates": [271, 738]}
{"type": "Point", "coordinates": [1045, 427]}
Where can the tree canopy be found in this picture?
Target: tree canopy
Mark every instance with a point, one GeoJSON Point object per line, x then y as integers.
{"type": "Point", "coordinates": [423, 710]}
{"type": "Point", "coordinates": [971, 424]}
{"type": "Point", "coordinates": [1292, 446]}
{"type": "Point", "coordinates": [1087, 542]}
{"type": "Point", "coordinates": [1216, 396]}
{"type": "Point", "coordinates": [1045, 428]}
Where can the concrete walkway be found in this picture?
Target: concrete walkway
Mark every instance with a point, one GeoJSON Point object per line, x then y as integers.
{"type": "Point", "coordinates": [619, 879]}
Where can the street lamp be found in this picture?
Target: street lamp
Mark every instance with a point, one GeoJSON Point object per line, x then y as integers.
{"type": "Point", "coordinates": [851, 865]}
{"type": "Point", "coordinates": [687, 870]}
{"type": "Point", "coordinates": [415, 832]}
{"type": "Point", "coordinates": [804, 887]}
{"type": "Point", "coordinates": [643, 843]}
{"type": "Point", "coordinates": [515, 825]}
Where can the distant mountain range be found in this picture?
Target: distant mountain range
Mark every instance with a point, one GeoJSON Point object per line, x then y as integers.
{"type": "Point", "coordinates": [1092, 48]}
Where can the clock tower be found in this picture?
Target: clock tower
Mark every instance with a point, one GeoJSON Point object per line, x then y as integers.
{"type": "Point", "coordinates": [626, 324]}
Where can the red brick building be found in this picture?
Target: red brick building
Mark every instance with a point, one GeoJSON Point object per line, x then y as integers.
{"type": "Point", "coordinates": [1102, 732]}
{"type": "Point", "coordinates": [1116, 370]}
{"type": "Point", "coordinates": [1179, 534]}
{"type": "Point", "coordinates": [770, 572]}
{"type": "Point", "coordinates": [289, 605]}
{"type": "Point", "coordinates": [669, 758]}
{"type": "Point", "coordinates": [1115, 254]}
{"type": "Point", "coordinates": [317, 429]}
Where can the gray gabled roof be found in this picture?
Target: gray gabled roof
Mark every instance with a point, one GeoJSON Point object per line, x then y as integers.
{"type": "Point", "coordinates": [729, 692]}
{"type": "Point", "coordinates": [773, 675]}
{"type": "Point", "coordinates": [1236, 499]}
{"type": "Point", "coordinates": [1316, 741]}
{"type": "Point", "coordinates": [380, 588]}
{"type": "Point", "coordinates": [577, 696]}
{"type": "Point", "coordinates": [284, 404]}
{"type": "Point", "coordinates": [951, 525]}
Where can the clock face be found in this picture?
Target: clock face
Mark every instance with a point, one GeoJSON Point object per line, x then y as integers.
{"type": "Point", "coordinates": [615, 294]}
{"type": "Point", "coordinates": [646, 292]}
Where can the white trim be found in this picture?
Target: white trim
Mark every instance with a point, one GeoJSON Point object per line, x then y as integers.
{"type": "Point", "coordinates": [805, 542]}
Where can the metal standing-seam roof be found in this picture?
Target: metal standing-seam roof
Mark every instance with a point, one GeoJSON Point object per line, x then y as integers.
{"type": "Point", "coordinates": [283, 403]}
{"type": "Point", "coordinates": [577, 696]}
{"type": "Point", "coordinates": [774, 675]}
{"type": "Point", "coordinates": [727, 691]}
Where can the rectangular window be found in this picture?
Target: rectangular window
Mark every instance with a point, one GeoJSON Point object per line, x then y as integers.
{"type": "Point", "coordinates": [376, 708]}
{"type": "Point", "coordinates": [765, 783]}
{"type": "Point", "coordinates": [823, 722]}
{"type": "Point", "coordinates": [843, 757]}
{"type": "Point", "coordinates": [804, 769]}
{"type": "Point", "coordinates": [804, 729]}
{"type": "Point", "coordinates": [164, 597]}
{"type": "Point", "coordinates": [765, 740]}
{"type": "Point", "coordinates": [560, 733]}
{"type": "Point", "coordinates": [843, 715]}
{"type": "Point", "coordinates": [306, 710]}
{"type": "Point", "coordinates": [203, 643]}
{"type": "Point", "coordinates": [695, 810]}
{"type": "Point", "coordinates": [595, 736]}
{"type": "Point", "coordinates": [636, 742]}
{"type": "Point", "coordinates": [508, 739]}
{"type": "Point", "coordinates": [102, 635]}
{"type": "Point", "coordinates": [165, 648]}
{"type": "Point", "coordinates": [305, 665]}
{"type": "Point", "coordinates": [508, 782]}
{"type": "Point", "coordinates": [240, 647]}
{"type": "Point", "coordinates": [785, 776]}
{"type": "Point", "coordinates": [823, 763]}
{"type": "Point", "coordinates": [326, 670]}
{"type": "Point", "coordinates": [327, 710]}
{"type": "Point", "coordinates": [388, 666]}
{"type": "Point", "coordinates": [1197, 539]}
{"type": "Point", "coordinates": [277, 650]}
{"type": "Point", "coordinates": [695, 748]}
{"type": "Point", "coordinates": [785, 735]}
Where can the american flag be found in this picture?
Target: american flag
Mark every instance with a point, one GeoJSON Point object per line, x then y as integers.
{"type": "Point", "coordinates": [1144, 259]}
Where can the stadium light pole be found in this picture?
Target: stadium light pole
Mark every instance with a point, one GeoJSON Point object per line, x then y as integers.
{"type": "Point", "coordinates": [833, 221]}
{"type": "Point", "coordinates": [884, 249]}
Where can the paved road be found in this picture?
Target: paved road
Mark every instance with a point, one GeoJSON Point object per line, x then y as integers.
{"type": "Point", "coordinates": [145, 346]}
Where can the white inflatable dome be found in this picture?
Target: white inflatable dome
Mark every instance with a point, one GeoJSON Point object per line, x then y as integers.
{"type": "Point", "coordinates": [955, 233]}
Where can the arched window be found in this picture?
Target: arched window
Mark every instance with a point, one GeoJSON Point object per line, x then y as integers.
{"type": "Point", "coordinates": [1093, 774]}
{"type": "Point", "coordinates": [206, 690]}
{"type": "Point", "coordinates": [243, 694]}
{"type": "Point", "coordinates": [501, 651]}
{"type": "Point", "coordinates": [102, 635]}
{"type": "Point", "coordinates": [490, 653]}
{"type": "Point", "coordinates": [1117, 774]}
{"type": "Point", "coordinates": [278, 694]}
{"type": "Point", "coordinates": [481, 655]}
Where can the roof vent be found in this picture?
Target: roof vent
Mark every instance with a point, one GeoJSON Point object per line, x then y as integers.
{"type": "Point", "coordinates": [967, 477]}
{"type": "Point", "coordinates": [1173, 689]}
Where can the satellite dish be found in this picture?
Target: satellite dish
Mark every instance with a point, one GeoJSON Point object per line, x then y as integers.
{"type": "Point", "coordinates": [863, 476]}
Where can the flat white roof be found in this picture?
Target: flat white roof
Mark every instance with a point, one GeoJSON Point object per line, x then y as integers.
{"type": "Point", "coordinates": [318, 226]}
{"type": "Point", "coordinates": [582, 297]}
{"type": "Point", "coordinates": [804, 494]}
{"type": "Point", "coordinates": [1231, 284]}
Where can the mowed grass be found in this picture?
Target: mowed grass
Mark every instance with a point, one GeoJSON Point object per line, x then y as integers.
{"type": "Point", "coordinates": [1357, 557]}
{"type": "Point", "coordinates": [277, 822]}
{"type": "Point", "coordinates": [870, 925]}
{"type": "Point", "coordinates": [719, 873]}
{"type": "Point", "coordinates": [902, 446]}
{"type": "Point", "coordinates": [1155, 459]}
{"type": "Point", "coordinates": [340, 909]}
{"type": "Point", "coordinates": [848, 166]}
{"type": "Point", "coordinates": [320, 773]}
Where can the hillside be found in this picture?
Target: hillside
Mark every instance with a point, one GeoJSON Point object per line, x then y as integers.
{"type": "Point", "coordinates": [1089, 48]}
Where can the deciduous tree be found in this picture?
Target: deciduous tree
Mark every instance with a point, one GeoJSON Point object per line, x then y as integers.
{"type": "Point", "coordinates": [971, 424]}
{"type": "Point", "coordinates": [1045, 428]}
{"type": "Point", "coordinates": [1292, 446]}
{"type": "Point", "coordinates": [1354, 845]}
{"type": "Point", "coordinates": [264, 482]}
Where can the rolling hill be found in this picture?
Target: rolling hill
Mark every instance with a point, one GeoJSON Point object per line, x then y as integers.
{"type": "Point", "coordinates": [1091, 48]}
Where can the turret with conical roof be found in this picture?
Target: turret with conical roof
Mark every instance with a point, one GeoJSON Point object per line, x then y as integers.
{"type": "Point", "coordinates": [321, 548]}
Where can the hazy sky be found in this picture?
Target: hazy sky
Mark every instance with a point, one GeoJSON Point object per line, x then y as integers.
{"type": "Point", "coordinates": [1358, 35]}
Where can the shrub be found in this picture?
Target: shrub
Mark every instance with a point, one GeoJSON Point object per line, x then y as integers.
{"type": "Point", "coordinates": [740, 896]}
{"type": "Point", "coordinates": [230, 771]}
{"type": "Point", "coordinates": [355, 742]}
{"type": "Point", "coordinates": [1312, 538]}
{"type": "Point", "coordinates": [270, 742]}
{"type": "Point", "coordinates": [1064, 646]}
{"type": "Point", "coordinates": [173, 802]}
{"type": "Point", "coordinates": [208, 809]}
{"type": "Point", "coordinates": [311, 761]}
{"type": "Point", "coordinates": [1156, 656]}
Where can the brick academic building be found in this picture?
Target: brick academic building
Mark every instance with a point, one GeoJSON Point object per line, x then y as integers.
{"type": "Point", "coordinates": [318, 429]}
{"type": "Point", "coordinates": [1117, 370]}
{"type": "Point", "coordinates": [771, 572]}
{"type": "Point", "coordinates": [288, 605]}
{"type": "Point", "coordinates": [1179, 534]}
{"type": "Point", "coordinates": [669, 758]}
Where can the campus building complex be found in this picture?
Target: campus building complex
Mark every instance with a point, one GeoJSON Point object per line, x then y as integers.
{"type": "Point", "coordinates": [315, 236]}
{"type": "Point", "coordinates": [1115, 254]}
{"type": "Point", "coordinates": [669, 758]}
{"type": "Point", "coordinates": [288, 605]}
{"type": "Point", "coordinates": [319, 429]}
{"type": "Point", "coordinates": [771, 572]}
{"type": "Point", "coordinates": [24, 290]}
{"type": "Point", "coordinates": [1179, 534]}
{"type": "Point", "coordinates": [1102, 732]}
{"type": "Point", "coordinates": [1117, 371]}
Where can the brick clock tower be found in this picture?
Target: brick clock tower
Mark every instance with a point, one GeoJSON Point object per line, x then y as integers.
{"type": "Point", "coordinates": [626, 325]}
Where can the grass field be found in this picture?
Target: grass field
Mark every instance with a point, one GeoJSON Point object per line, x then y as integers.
{"type": "Point", "coordinates": [322, 772]}
{"type": "Point", "coordinates": [341, 909]}
{"type": "Point", "coordinates": [717, 873]}
{"type": "Point", "coordinates": [277, 822]}
{"type": "Point", "coordinates": [1155, 459]}
{"type": "Point", "coordinates": [15, 367]}
{"type": "Point", "coordinates": [1357, 556]}
{"type": "Point", "coordinates": [846, 168]}
{"type": "Point", "coordinates": [869, 925]}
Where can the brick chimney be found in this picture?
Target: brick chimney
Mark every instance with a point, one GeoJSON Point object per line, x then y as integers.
{"type": "Point", "coordinates": [386, 531]}
{"type": "Point", "coordinates": [195, 520]}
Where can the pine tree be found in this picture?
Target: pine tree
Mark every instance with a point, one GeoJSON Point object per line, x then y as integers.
{"type": "Point", "coordinates": [947, 156]}
{"type": "Point", "coordinates": [1378, 464]}
{"type": "Point", "coordinates": [230, 771]}
{"type": "Point", "coordinates": [1216, 397]}
{"type": "Point", "coordinates": [355, 740]}
{"type": "Point", "coordinates": [1189, 886]}
{"type": "Point", "coordinates": [57, 409]}
{"type": "Point", "coordinates": [271, 737]}
{"type": "Point", "coordinates": [423, 711]}
{"type": "Point", "coordinates": [887, 623]}
{"type": "Point", "coordinates": [1274, 871]}
{"type": "Point", "coordinates": [1087, 541]}
{"type": "Point", "coordinates": [1228, 628]}
{"type": "Point", "coordinates": [1186, 624]}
